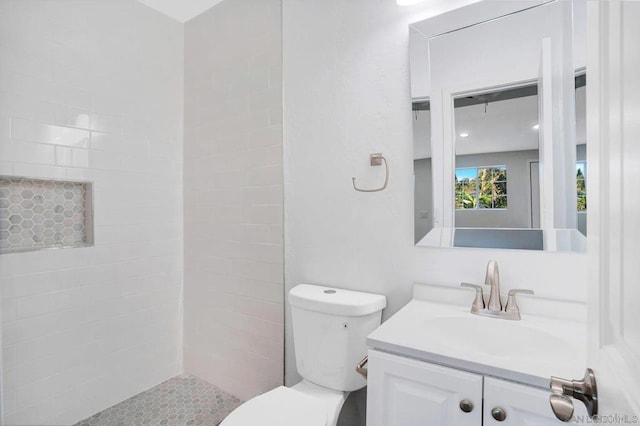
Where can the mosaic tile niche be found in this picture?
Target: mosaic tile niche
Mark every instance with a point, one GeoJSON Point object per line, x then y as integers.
{"type": "Point", "coordinates": [37, 214]}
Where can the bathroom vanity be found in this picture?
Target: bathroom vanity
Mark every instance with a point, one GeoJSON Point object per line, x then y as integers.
{"type": "Point", "coordinates": [435, 363]}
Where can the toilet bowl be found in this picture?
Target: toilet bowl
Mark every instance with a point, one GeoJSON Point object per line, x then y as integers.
{"type": "Point", "coordinates": [303, 404]}
{"type": "Point", "coordinates": [330, 327]}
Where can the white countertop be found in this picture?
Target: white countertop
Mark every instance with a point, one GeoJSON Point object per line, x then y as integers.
{"type": "Point", "coordinates": [528, 351]}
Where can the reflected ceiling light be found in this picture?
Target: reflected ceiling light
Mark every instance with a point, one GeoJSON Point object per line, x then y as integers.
{"type": "Point", "coordinates": [464, 135]}
{"type": "Point", "coordinates": [536, 126]}
{"type": "Point", "coordinates": [408, 2]}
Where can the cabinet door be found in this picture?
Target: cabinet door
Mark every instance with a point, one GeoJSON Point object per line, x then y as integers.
{"type": "Point", "coordinates": [523, 405]}
{"type": "Point", "coordinates": [406, 392]}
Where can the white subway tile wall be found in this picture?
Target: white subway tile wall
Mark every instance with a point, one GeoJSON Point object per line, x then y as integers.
{"type": "Point", "coordinates": [233, 197]}
{"type": "Point", "coordinates": [92, 91]}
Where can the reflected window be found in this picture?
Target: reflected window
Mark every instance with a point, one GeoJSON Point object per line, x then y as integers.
{"type": "Point", "coordinates": [481, 188]}
{"type": "Point", "coordinates": [581, 185]}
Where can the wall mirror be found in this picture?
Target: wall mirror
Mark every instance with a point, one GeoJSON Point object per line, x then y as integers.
{"type": "Point", "coordinates": [499, 120]}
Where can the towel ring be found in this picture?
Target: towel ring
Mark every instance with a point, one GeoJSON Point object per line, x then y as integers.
{"type": "Point", "coordinates": [375, 160]}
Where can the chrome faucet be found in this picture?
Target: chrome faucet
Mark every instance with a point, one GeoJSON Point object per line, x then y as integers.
{"type": "Point", "coordinates": [492, 278]}
{"type": "Point", "coordinates": [494, 308]}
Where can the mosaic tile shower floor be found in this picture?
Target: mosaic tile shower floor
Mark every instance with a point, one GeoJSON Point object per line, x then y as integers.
{"type": "Point", "coordinates": [180, 401]}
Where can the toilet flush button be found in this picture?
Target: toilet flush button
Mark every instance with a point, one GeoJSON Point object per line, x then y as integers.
{"type": "Point", "coordinates": [329, 291]}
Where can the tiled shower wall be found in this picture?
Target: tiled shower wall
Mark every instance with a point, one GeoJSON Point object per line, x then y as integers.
{"type": "Point", "coordinates": [91, 90]}
{"type": "Point", "coordinates": [233, 197]}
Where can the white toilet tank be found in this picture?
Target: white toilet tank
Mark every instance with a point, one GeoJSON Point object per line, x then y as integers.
{"type": "Point", "coordinates": [330, 327]}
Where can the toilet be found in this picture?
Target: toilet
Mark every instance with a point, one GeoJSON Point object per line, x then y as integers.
{"type": "Point", "coordinates": [330, 327]}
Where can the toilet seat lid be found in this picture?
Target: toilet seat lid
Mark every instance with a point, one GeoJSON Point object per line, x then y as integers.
{"type": "Point", "coordinates": [280, 407]}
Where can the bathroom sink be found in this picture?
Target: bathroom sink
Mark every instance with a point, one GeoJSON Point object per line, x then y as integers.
{"type": "Point", "coordinates": [528, 351]}
{"type": "Point", "coordinates": [498, 338]}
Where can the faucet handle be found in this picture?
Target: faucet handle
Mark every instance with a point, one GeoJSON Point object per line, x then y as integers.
{"type": "Point", "coordinates": [512, 304]}
{"type": "Point", "coordinates": [520, 291]}
{"type": "Point", "coordinates": [478, 302]}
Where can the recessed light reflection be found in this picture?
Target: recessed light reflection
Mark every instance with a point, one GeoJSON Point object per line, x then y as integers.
{"type": "Point", "coordinates": [408, 2]}
{"type": "Point", "coordinates": [464, 135]}
{"type": "Point", "coordinates": [536, 126]}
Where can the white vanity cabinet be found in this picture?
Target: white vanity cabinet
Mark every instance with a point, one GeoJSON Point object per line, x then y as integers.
{"type": "Point", "coordinates": [407, 392]}
{"type": "Point", "coordinates": [523, 405]}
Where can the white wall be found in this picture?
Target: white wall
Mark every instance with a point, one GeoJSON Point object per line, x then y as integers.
{"type": "Point", "coordinates": [347, 94]}
{"type": "Point", "coordinates": [233, 197]}
{"type": "Point", "coordinates": [423, 196]}
{"type": "Point", "coordinates": [83, 329]}
{"type": "Point", "coordinates": [422, 134]}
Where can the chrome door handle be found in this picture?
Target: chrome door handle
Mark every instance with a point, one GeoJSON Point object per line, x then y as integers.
{"type": "Point", "coordinates": [562, 407]}
{"type": "Point", "coordinates": [585, 390]}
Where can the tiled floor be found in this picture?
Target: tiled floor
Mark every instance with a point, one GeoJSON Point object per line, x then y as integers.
{"type": "Point", "coordinates": [180, 401]}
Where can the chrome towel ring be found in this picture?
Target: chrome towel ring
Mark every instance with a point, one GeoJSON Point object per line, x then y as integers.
{"type": "Point", "coordinates": [375, 160]}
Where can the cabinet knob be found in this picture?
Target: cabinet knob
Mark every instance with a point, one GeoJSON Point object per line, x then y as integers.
{"type": "Point", "coordinates": [499, 414]}
{"type": "Point", "coordinates": [466, 406]}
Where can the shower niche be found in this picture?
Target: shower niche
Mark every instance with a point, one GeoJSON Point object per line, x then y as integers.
{"type": "Point", "coordinates": [38, 214]}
